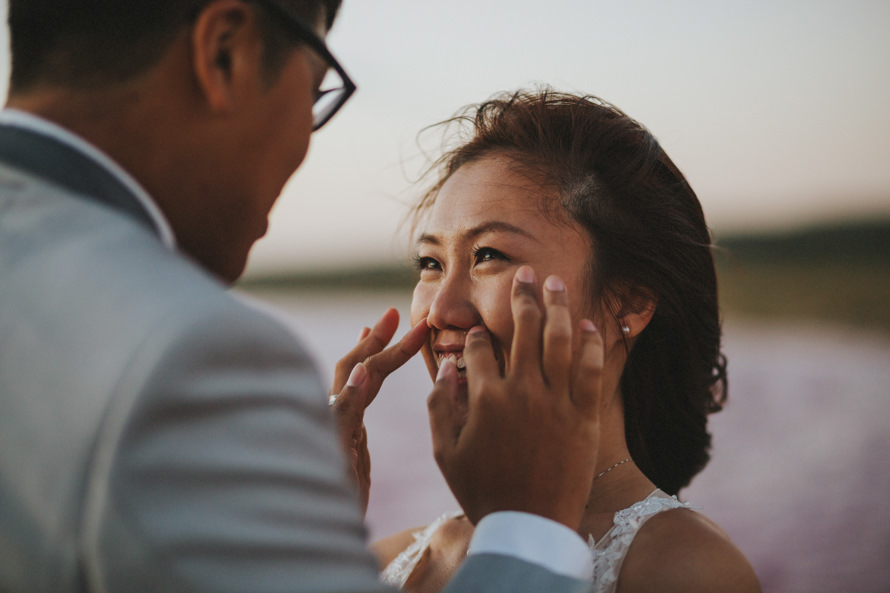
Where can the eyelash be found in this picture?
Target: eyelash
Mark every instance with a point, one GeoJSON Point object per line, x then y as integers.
{"type": "Point", "coordinates": [422, 263]}
{"type": "Point", "coordinates": [478, 252]}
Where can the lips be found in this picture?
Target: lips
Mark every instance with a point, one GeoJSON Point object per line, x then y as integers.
{"type": "Point", "coordinates": [446, 344]}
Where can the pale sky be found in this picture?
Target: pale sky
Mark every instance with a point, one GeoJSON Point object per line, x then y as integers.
{"type": "Point", "coordinates": [778, 111]}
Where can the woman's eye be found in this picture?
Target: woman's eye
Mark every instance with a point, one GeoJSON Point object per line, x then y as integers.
{"type": "Point", "coordinates": [485, 254]}
{"type": "Point", "coordinates": [426, 263]}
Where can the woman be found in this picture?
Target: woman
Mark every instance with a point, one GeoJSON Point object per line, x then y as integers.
{"type": "Point", "coordinates": [574, 188]}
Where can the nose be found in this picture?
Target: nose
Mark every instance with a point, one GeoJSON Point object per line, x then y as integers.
{"type": "Point", "coordinates": [452, 306]}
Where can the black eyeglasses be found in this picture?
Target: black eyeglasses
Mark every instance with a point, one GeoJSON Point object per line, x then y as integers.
{"type": "Point", "coordinates": [336, 87]}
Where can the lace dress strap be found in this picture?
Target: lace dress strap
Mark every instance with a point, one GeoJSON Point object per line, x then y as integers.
{"type": "Point", "coordinates": [610, 551]}
{"type": "Point", "coordinates": [397, 572]}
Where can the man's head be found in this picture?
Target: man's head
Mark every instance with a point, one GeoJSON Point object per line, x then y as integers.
{"type": "Point", "coordinates": [81, 43]}
{"type": "Point", "coordinates": [207, 103]}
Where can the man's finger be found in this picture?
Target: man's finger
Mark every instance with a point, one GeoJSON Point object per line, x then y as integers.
{"type": "Point", "coordinates": [480, 361]}
{"type": "Point", "coordinates": [371, 341]}
{"type": "Point", "coordinates": [349, 405]}
{"type": "Point", "coordinates": [525, 352]}
{"type": "Point", "coordinates": [588, 384]}
{"type": "Point", "coordinates": [380, 365]}
{"type": "Point", "coordinates": [557, 356]}
{"type": "Point", "coordinates": [445, 418]}
{"type": "Point", "coordinates": [376, 339]}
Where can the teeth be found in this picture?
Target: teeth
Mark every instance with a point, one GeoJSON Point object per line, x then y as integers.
{"type": "Point", "coordinates": [458, 360]}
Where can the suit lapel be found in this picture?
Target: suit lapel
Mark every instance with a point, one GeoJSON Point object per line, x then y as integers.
{"type": "Point", "coordinates": [63, 165]}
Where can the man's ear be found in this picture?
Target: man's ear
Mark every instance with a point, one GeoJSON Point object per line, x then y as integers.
{"type": "Point", "coordinates": [226, 51]}
{"type": "Point", "coordinates": [637, 306]}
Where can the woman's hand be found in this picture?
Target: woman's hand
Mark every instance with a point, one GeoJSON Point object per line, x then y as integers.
{"type": "Point", "coordinates": [526, 441]}
{"type": "Point", "coordinates": [357, 380]}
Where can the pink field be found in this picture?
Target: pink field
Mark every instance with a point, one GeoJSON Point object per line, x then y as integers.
{"type": "Point", "coordinates": [801, 463]}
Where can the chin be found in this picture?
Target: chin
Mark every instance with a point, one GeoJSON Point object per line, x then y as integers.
{"type": "Point", "coordinates": [229, 276]}
{"type": "Point", "coordinates": [228, 269]}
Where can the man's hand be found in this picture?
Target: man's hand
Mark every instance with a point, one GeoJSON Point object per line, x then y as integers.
{"type": "Point", "coordinates": [357, 380]}
{"type": "Point", "coordinates": [526, 441]}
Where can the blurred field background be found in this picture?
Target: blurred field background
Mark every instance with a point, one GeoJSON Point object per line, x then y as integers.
{"type": "Point", "coordinates": [801, 454]}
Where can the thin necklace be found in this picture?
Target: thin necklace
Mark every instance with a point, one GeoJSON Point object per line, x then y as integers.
{"type": "Point", "coordinates": [603, 473]}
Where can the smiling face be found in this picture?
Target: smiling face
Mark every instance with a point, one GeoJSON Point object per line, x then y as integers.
{"type": "Point", "coordinates": [487, 221]}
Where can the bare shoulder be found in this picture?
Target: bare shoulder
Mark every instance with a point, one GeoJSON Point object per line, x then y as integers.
{"type": "Point", "coordinates": [450, 540]}
{"type": "Point", "coordinates": [386, 549]}
{"type": "Point", "coordinates": [437, 563]}
{"type": "Point", "coordinates": [682, 550]}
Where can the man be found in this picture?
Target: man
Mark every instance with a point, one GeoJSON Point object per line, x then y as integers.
{"type": "Point", "coordinates": [156, 434]}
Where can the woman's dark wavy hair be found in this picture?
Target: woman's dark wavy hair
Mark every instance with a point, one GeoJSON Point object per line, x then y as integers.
{"type": "Point", "coordinates": [648, 234]}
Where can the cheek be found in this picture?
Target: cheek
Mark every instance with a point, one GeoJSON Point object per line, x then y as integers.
{"type": "Point", "coordinates": [288, 155]}
{"type": "Point", "coordinates": [494, 306]}
{"type": "Point", "coordinates": [580, 306]}
{"type": "Point", "coordinates": [420, 303]}
{"type": "Point", "coordinates": [420, 308]}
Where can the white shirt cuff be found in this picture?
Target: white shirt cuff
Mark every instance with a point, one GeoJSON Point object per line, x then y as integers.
{"type": "Point", "coordinates": [533, 539]}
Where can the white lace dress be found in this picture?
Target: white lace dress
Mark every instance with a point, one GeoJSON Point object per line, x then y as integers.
{"type": "Point", "coordinates": [608, 553]}
{"type": "Point", "coordinates": [397, 572]}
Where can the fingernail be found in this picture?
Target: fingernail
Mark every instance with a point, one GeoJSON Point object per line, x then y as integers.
{"type": "Point", "coordinates": [554, 284]}
{"type": "Point", "coordinates": [476, 329]}
{"type": "Point", "coordinates": [357, 376]}
{"type": "Point", "coordinates": [525, 275]}
{"type": "Point", "coordinates": [446, 368]}
{"type": "Point", "coordinates": [588, 326]}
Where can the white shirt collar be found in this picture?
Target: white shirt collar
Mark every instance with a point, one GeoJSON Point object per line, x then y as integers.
{"type": "Point", "coordinates": [33, 123]}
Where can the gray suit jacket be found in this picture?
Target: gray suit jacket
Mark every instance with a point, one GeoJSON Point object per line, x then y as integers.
{"type": "Point", "coordinates": [155, 433]}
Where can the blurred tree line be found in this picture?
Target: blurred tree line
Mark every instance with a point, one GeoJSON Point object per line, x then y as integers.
{"type": "Point", "coordinates": [838, 273]}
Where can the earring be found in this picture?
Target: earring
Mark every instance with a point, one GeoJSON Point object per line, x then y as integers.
{"type": "Point", "coordinates": [625, 330]}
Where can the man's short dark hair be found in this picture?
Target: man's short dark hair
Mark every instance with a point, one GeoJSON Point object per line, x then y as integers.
{"type": "Point", "coordinates": [89, 43]}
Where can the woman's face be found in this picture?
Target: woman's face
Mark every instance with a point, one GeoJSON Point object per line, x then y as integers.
{"type": "Point", "coordinates": [486, 222]}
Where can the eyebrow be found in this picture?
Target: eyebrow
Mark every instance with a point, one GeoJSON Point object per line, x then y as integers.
{"type": "Point", "coordinates": [487, 227]}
